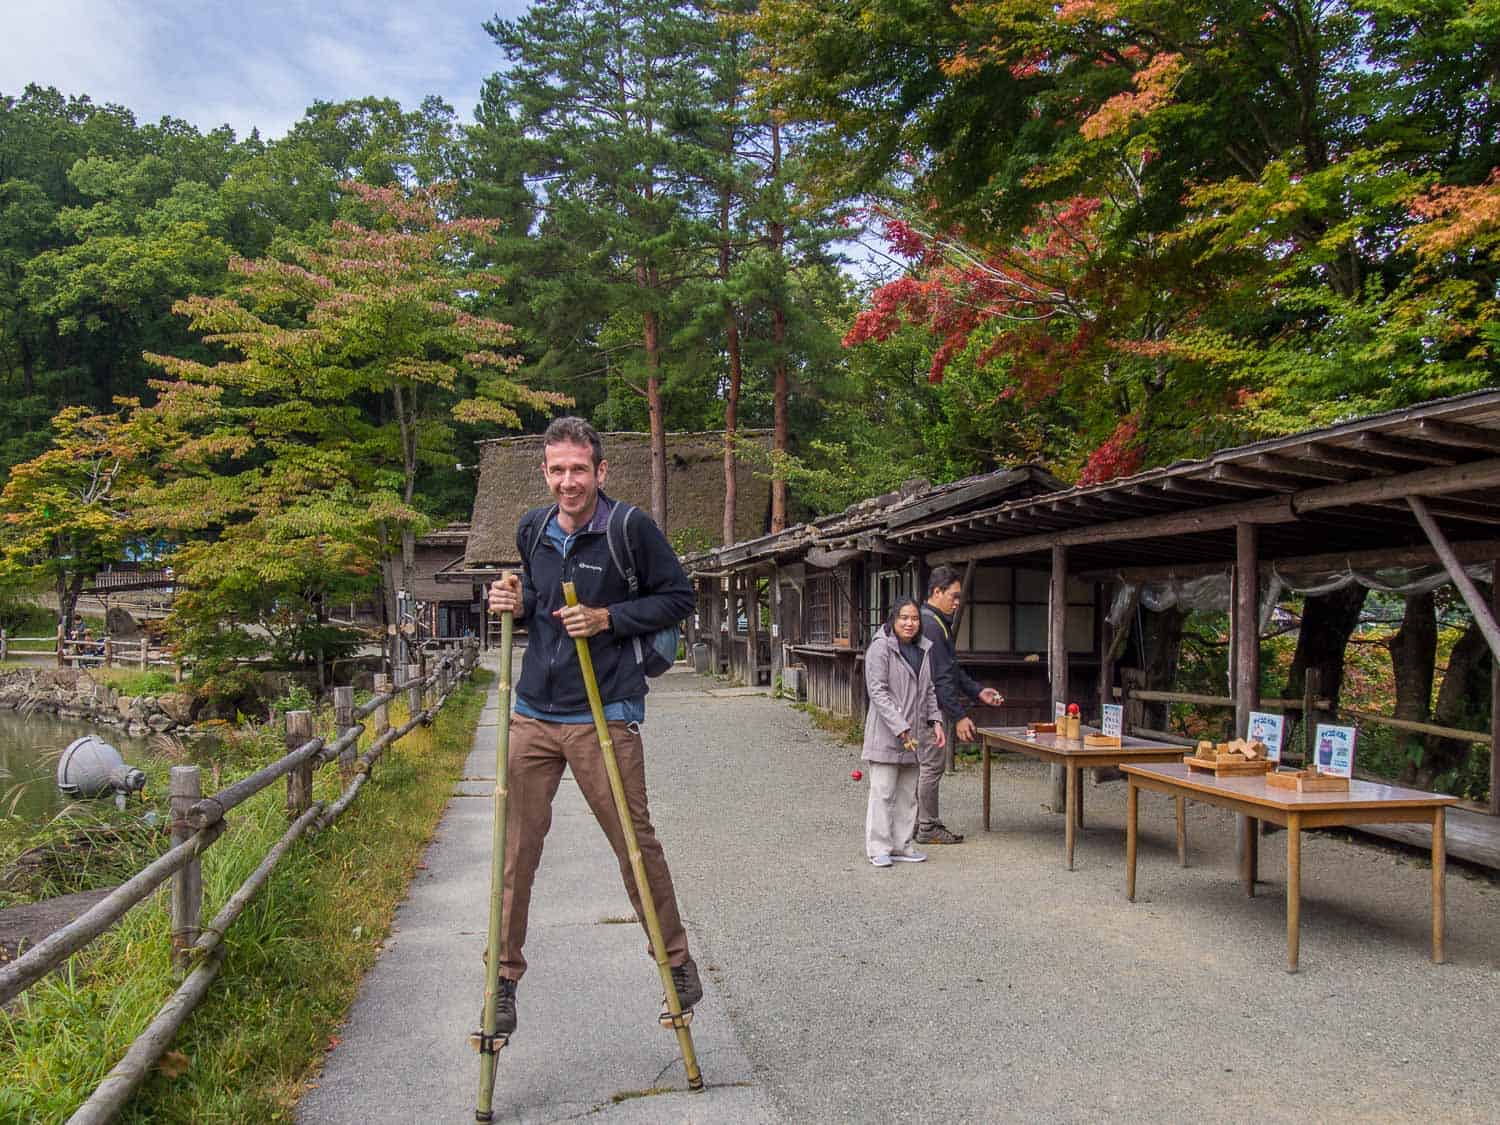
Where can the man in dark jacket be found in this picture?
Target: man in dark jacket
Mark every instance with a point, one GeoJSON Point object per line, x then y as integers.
{"type": "Point", "coordinates": [955, 689]}
{"type": "Point", "coordinates": [553, 726]}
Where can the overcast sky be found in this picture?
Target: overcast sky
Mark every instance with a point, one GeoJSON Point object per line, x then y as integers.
{"type": "Point", "coordinates": [253, 63]}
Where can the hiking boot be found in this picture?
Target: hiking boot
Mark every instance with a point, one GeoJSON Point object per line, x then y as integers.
{"type": "Point", "coordinates": [685, 981]}
{"type": "Point", "coordinates": [505, 1007]}
{"type": "Point", "coordinates": [938, 834]}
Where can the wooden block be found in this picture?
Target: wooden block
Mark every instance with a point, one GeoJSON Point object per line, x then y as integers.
{"type": "Point", "coordinates": [1301, 782]}
{"type": "Point", "coordinates": [1102, 740]}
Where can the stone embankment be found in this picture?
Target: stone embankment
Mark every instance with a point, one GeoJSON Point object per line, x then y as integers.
{"type": "Point", "coordinates": [75, 694]}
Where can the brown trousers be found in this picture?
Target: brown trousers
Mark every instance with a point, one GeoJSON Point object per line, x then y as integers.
{"type": "Point", "coordinates": [538, 753]}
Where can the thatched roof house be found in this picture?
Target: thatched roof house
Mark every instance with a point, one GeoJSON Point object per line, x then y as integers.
{"type": "Point", "coordinates": [510, 483]}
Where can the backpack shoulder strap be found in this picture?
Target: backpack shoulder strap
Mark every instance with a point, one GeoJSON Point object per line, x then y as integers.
{"type": "Point", "coordinates": [617, 535]}
{"type": "Point", "coordinates": [538, 533]}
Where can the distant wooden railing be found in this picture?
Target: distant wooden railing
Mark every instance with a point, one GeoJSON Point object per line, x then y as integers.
{"type": "Point", "coordinates": [198, 821]}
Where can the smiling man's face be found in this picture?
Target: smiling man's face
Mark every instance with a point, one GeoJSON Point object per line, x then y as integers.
{"type": "Point", "coordinates": [574, 481]}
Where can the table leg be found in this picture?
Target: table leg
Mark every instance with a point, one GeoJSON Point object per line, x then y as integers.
{"type": "Point", "coordinates": [1132, 795]}
{"type": "Point", "coordinates": [1078, 807]}
{"type": "Point", "coordinates": [1439, 866]}
{"type": "Point", "coordinates": [1293, 890]}
{"type": "Point", "coordinates": [1181, 830]}
{"type": "Point", "coordinates": [985, 753]}
{"type": "Point", "coordinates": [1249, 852]}
{"type": "Point", "coordinates": [1071, 810]}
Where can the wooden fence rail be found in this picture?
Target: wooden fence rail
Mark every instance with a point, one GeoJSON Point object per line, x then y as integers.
{"type": "Point", "coordinates": [196, 827]}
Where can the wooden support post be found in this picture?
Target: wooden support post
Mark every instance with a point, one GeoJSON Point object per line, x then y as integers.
{"type": "Point", "coordinates": [1107, 667]}
{"type": "Point", "coordinates": [1312, 682]}
{"type": "Point", "coordinates": [343, 719]}
{"type": "Point", "coordinates": [421, 674]}
{"type": "Point", "coordinates": [187, 883]}
{"type": "Point", "coordinates": [1244, 633]}
{"type": "Point", "coordinates": [299, 782]}
{"type": "Point", "coordinates": [1057, 658]}
{"type": "Point", "coordinates": [109, 651]}
{"type": "Point", "coordinates": [413, 690]}
{"type": "Point", "coordinates": [1483, 617]}
{"type": "Point", "coordinates": [4, 646]}
{"type": "Point", "coordinates": [62, 647]}
{"type": "Point", "coordinates": [1494, 702]}
{"type": "Point", "coordinates": [752, 628]}
{"type": "Point", "coordinates": [141, 653]}
{"type": "Point", "coordinates": [778, 630]}
{"type": "Point", "coordinates": [383, 712]}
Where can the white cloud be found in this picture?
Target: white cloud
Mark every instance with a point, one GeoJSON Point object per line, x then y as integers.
{"type": "Point", "coordinates": [249, 64]}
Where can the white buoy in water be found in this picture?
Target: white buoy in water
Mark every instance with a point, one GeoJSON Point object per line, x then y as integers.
{"type": "Point", "coordinates": [91, 767]}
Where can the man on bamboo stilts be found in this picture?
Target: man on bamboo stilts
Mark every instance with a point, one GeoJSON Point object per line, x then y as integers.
{"type": "Point", "coordinates": [630, 587]}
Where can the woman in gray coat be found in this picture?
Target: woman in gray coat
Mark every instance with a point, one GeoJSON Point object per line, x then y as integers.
{"type": "Point", "coordinates": [903, 710]}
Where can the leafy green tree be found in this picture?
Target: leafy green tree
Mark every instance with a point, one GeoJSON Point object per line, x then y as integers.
{"type": "Point", "coordinates": [591, 91]}
{"type": "Point", "coordinates": [64, 514]}
{"type": "Point", "coordinates": [296, 462]}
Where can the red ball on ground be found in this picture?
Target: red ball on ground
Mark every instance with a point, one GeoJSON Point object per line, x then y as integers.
{"type": "Point", "coordinates": [856, 775]}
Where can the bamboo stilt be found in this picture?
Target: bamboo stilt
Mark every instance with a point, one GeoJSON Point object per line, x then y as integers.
{"type": "Point", "coordinates": [484, 1040]}
{"type": "Point", "coordinates": [637, 866]}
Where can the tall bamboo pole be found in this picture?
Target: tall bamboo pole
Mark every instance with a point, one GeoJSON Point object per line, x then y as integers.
{"type": "Point", "coordinates": [485, 1039]}
{"type": "Point", "coordinates": [637, 866]}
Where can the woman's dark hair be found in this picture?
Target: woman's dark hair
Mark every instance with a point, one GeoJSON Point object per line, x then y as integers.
{"type": "Point", "coordinates": [901, 603]}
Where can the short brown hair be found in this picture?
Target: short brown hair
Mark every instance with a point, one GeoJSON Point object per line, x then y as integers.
{"type": "Point", "coordinates": [573, 431]}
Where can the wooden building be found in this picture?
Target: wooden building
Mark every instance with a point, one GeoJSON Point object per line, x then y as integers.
{"type": "Point", "coordinates": [441, 610]}
{"type": "Point", "coordinates": [801, 605]}
{"type": "Point", "coordinates": [1408, 488]}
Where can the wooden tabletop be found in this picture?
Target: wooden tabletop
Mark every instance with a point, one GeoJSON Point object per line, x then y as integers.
{"type": "Point", "coordinates": [1254, 790]}
{"type": "Point", "coordinates": [1063, 747]}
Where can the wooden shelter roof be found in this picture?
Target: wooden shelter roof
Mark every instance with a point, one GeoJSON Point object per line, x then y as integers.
{"type": "Point", "coordinates": [1339, 489]}
{"type": "Point", "coordinates": [866, 525]}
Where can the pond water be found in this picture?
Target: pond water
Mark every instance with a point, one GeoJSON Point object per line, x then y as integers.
{"type": "Point", "coordinates": [28, 759]}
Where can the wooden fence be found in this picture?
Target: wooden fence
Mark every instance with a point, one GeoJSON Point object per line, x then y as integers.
{"type": "Point", "coordinates": [197, 821]}
{"type": "Point", "coordinates": [126, 652]}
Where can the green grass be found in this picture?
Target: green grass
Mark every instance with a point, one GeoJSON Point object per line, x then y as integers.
{"type": "Point", "coordinates": [295, 956]}
{"type": "Point", "coordinates": [133, 681]}
{"type": "Point", "coordinates": [842, 727]}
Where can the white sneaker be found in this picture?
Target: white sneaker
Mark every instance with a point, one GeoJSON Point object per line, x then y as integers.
{"type": "Point", "coordinates": [881, 860]}
{"type": "Point", "coordinates": [910, 857]}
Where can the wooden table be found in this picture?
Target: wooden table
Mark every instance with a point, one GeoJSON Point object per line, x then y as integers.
{"type": "Point", "coordinates": [1073, 755]}
{"type": "Point", "coordinates": [1364, 803]}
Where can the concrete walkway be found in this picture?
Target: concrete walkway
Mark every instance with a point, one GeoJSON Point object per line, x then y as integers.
{"type": "Point", "coordinates": [588, 1041]}
{"type": "Point", "coordinates": [988, 984]}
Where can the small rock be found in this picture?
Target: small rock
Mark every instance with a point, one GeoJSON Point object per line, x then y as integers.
{"type": "Point", "coordinates": [160, 722]}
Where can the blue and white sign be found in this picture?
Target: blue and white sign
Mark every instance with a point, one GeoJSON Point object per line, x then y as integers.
{"type": "Point", "coordinates": [1267, 729]}
{"type": "Point", "coordinates": [1335, 750]}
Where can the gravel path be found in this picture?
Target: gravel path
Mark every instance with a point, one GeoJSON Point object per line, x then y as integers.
{"type": "Point", "coordinates": [988, 984]}
{"type": "Point", "coordinates": [991, 984]}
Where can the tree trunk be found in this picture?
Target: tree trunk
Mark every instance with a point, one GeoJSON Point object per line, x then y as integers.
{"type": "Point", "coordinates": [778, 344]}
{"type": "Point", "coordinates": [652, 332]}
{"type": "Point", "coordinates": [731, 423]}
{"type": "Point", "coordinates": [1328, 621]}
{"type": "Point", "coordinates": [1413, 651]}
{"type": "Point", "coordinates": [1154, 653]}
{"type": "Point", "coordinates": [1460, 703]}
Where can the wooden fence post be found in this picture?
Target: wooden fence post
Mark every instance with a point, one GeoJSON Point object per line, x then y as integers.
{"type": "Point", "coordinates": [141, 657]}
{"type": "Point", "coordinates": [4, 646]}
{"type": "Point", "coordinates": [383, 712]}
{"type": "Point", "coordinates": [414, 690]}
{"type": "Point", "coordinates": [343, 719]}
{"type": "Point", "coordinates": [187, 884]}
{"type": "Point", "coordinates": [299, 782]}
{"type": "Point", "coordinates": [62, 649]}
{"type": "Point", "coordinates": [109, 650]}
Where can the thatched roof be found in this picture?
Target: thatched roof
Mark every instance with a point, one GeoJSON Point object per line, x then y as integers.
{"type": "Point", "coordinates": [510, 483]}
